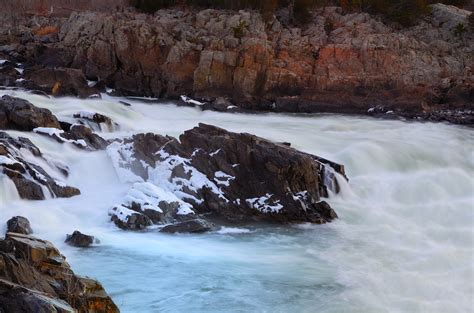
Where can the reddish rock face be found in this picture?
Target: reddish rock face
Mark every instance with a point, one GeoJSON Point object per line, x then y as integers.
{"type": "Point", "coordinates": [356, 64]}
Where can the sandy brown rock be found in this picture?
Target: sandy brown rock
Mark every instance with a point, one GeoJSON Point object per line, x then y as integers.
{"type": "Point", "coordinates": [35, 277]}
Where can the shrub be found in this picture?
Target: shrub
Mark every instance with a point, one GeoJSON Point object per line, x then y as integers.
{"type": "Point", "coordinates": [240, 29]}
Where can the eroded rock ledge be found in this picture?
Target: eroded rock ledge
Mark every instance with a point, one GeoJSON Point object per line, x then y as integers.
{"type": "Point", "coordinates": [341, 63]}
{"type": "Point", "coordinates": [35, 277]}
{"type": "Point", "coordinates": [211, 174]}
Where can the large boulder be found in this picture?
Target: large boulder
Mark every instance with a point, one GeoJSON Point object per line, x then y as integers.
{"type": "Point", "coordinates": [35, 277]}
{"type": "Point", "coordinates": [30, 179]}
{"type": "Point", "coordinates": [19, 114]}
{"type": "Point", "coordinates": [60, 82]}
{"type": "Point", "coordinates": [19, 224]}
{"type": "Point", "coordinates": [219, 175]}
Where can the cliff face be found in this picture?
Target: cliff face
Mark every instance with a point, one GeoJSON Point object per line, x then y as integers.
{"type": "Point", "coordinates": [340, 63]}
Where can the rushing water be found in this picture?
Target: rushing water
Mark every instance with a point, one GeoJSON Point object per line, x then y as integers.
{"type": "Point", "coordinates": [403, 242]}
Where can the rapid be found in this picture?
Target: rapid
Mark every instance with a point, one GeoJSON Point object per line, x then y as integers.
{"type": "Point", "coordinates": [404, 240]}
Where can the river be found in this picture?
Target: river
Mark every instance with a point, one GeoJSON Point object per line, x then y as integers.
{"type": "Point", "coordinates": [403, 242]}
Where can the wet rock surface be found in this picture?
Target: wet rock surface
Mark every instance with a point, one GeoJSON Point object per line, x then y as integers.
{"type": "Point", "coordinates": [19, 224]}
{"type": "Point", "coordinates": [35, 277]}
{"type": "Point", "coordinates": [214, 174]}
{"type": "Point", "coordinates": [19, 114]}
{"type": "Point", "coordinates": [78, 239]}
{"type": "Point", "coordinates": [31, 180]}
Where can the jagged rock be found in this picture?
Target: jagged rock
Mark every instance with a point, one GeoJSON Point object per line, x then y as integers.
{"type": "Point", "coordinates": [19, 114]}
{"type": "Point", "coordinates": [191, 226]}
{"type": "Point", "coordinates": [78, 239]}
{"type": "Point", "coordinates": [35, 277]}
{"type": "Point", "coordinates": [31, 180]}
{"type": "Point", "coordinates": [274, 66]}
{"type": "Point", "coordinates": [79, 135]}
{"type": "Point", "coordinates": [19, 224]}
{"type": "Point", "coordinates": [215, 174]}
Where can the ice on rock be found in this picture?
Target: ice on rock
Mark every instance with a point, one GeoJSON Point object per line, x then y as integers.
{"type": "Point", "coordinates": [264, 205]}
{"type": "Point", "coordinates": [223, 178]}
{"type": "Point", "coordinates": [122, 156]}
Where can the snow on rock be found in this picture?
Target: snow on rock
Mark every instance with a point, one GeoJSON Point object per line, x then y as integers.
{"type": "Point", "coordinates": [264, 204]}
{"type": "Point", "coordinates": [34, 176]}
{"type": "Point", "coordinates": [211, 172]}
{"type": "Point", "coordinates": [188, 100]}
{"type": "Point", "coordinates": [222, 178]}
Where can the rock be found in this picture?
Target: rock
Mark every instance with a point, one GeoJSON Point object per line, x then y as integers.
{"type": "Point", "coordinates": [96, 121]}
{"type": "Point", "coordinates": [78, 239]}
{"type": "Point", "coordinates": [31, 180]}
{"type": "Point", "coordinates": [272, 66]}
{"type": "Point", "coordinates": [19, 224]}
{"type": "Point", "coordinates": [79, 135]}
{"type": "Point", "coordinates": [128, 219]}
{"type": "Point", "coordinates": [192, 226]}
{"type": "Point", "coordinates": [35, 277]}
{"type": "Point", "coordinates": [213, 174]}
{"type": "Point", "coordinates": [61, 82]}
{"type": "Point", "coordinates": [19, 114]}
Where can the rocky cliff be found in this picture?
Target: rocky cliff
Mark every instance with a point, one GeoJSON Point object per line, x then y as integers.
{"type": "Point", "coordinates": [349, 63]}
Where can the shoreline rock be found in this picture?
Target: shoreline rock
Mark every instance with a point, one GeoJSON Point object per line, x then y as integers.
{"type": "Point", "coordinates": [424, 72]}
{"type": "Point", "coordinates": [35, 277]}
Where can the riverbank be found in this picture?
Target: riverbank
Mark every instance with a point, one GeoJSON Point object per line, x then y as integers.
{"type": "Point", "coordinates": [234, 61]}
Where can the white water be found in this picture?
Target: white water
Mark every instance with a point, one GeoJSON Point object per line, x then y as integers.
{"type": "Point", "coordinates": [404, 241]}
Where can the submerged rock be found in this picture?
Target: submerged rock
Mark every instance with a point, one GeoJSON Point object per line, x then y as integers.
{"type": "Point", "coordinates": [96, 121]}
{"type": "Point", "coordinates": [19, 114]}
{"type": "Point", "coordinates": [30, 179]}
{"type": "Point", "coordinates": [19, 224]}
{"type": "Point", "coordinates": [78, 239]}
{"type": "Point", "coordinates": [219, 175]}
{"type": "Point", "coordinates": [35, 277]}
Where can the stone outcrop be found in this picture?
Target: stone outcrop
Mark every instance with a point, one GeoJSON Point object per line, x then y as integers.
{"type": "Point", "coordinates": [19, 224]}
{"type": "Point", "coordinates": [211, 174]}
{"type": "Point", "coordinates": [19, 114]}
{"type": "Point", "coordinates": [31, 180]}
{"type": "Point", "coordinates": [347, 63]}
{"type": "Point", "coordinates": [35, 277]}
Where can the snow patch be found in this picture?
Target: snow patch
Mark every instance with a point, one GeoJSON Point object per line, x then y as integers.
{"type": "Point", "coordinates": [191, 101]}
{"type": "Point", "coordinates": [263, 204]}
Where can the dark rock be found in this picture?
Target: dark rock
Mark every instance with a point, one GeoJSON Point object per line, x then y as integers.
{"type": "Point", "coordinates": [79, 135]}
{"type": "Point", "coordinates": [224, 176]}
{"type": "Point", "coordinates": [19, 114]}
{"type": "Point", "coordinates": [96, 121]}
{"type": "Point", "coordinates": [129, 220]}
{"type": "Point", "coordinates": [78, 239]}
{"type": "Point", "coordinates": [35, 277]}
{"type": "Point", "coordinates": [191, 226]}
{"type": "Point", "coordinates": [60, 82]}
{"type": "Point", "coordinates": [19, 224]}
{"type": "Point", "coordinates": [28, 177]}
